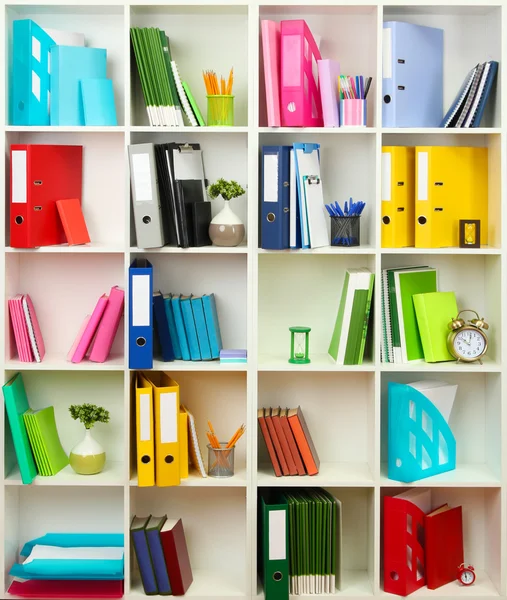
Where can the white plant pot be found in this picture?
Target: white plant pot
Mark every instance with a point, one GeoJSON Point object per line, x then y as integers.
{"type": "Point", "coordinates": [88, 457]}
{"type": "Point", "coordinates": [226, 228]}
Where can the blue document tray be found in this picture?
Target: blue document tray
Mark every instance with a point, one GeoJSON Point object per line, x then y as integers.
{"type": "Point", "coordinates": [420, 441]}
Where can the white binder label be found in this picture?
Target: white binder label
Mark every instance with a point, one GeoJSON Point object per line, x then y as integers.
{"type": "Point", "coordinates": [271, 178]}
{"type": "Point", "coordinates": [36, 85]}
{"type": "Point", "coordinates": [386, 176]}
{"type": "Point", "coordinates": [36, 48]}
{"type": "Point", "coordinates": [168, 418]}
{"type": "Point", "coordinates": [142, 177]}
{"type": "Point", "coordinates": [422, 175]}
{"type": "Point", "coordinates": [387, 53]}
{"type": "Point", "coordinates": [277, 535]}
{"type": "Point", "coordinates": [141, 299]}
{"type": "Point", "coordinates": [19, 176]}
{"type": "Point", "coordinates": [145, 418]}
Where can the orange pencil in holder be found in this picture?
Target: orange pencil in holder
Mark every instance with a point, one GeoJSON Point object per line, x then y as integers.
{"type": "Point", "coordinates": [220, 110]}
{"type": "Point", "coordinates": [352, 112]}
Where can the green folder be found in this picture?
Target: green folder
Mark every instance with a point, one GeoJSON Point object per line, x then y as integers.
{"type": "Point", "coordinates": [193, 104]}
{"type": "Point", "coordinates": [52, 451]}
{"type": "Point", "coordinates": [16, 403]}
{"type": "Point", "coordinates": [36, 444]}
{"type": "Point", "coordinates": [434, 311]}
{"type": "Point", "coordinates": [275, 548]}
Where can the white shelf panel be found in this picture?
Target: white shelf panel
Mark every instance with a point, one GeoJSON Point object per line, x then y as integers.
{"type": "Point", "coordinates": [330, 475]}
{"type": "Point", "coordinates": [487, 250]}
{"type": "Point", "coordinates": [197, 365]}
{"type": "Point", "coordinates": [327, 130]}
{"type": "Point", "coordinates": [333, 250]}
{"type": "Point", "coordinates": [112, 475]}
{"type": "Point", "coordinates": [482, 588]}
{"type": "Point", "coordinates": [195, 480]}
{"type": "Point", "coordinates": [63, 129]}
{"type": "Point", "coordinates": [150, 129]}
{"type": "Point", "coordinates": [93, 248]}
{"type": "Point", "coordinates": [319, 362]}
{"type": "Point", "coordinates": [442, 130]}
{"type": "Point", "coordinates": [355, 583]}
{"type": "Point", "coordinates": [488, 366]}
{"type": "Point", "coordinates": [60, 363]}
{"type": "Point", "coordinates": [241, 249]}
{"type": "Point", "coordinates": [467, 476]}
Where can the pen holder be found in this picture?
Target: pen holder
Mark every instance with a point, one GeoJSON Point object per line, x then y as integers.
{"type": "Point", "coordinates": [345, 231]}
{"type": "Point", "coordinates": [220, 461]}
{"type": "Point", "coordinates": [220, 111]}
{"type": "Point", "coordinates": [352, 113]}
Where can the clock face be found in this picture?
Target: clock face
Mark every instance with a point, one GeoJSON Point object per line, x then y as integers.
{"type": "Point", "coordinates": [469, 344]}
{"type": "Point", "coordinates": [467, 577]}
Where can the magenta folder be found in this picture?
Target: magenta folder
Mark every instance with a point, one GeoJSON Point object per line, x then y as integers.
{"type": "Point", "coordinates": [86, 335]}
{"type": "Point", "coordinates": [329, 71]}
{"type": "Point", "coordinates": [108, 326]}
{"type": "Point", "coordinates": [66, 589]}
{"type": "Point", "coordinates": [271, 55]}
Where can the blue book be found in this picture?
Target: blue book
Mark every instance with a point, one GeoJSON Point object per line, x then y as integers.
{"type": "Point", "coordinates": [202, 332]}
{"type": "Point", "coordinates": [190, 328]}
{"type": "Point", "coordinates": [164, 336]}
{"type": "Point", "coordinates": [275, 197]}
{"type": "Point", "coordinates": [172, 326]}
{"type": "Point", "coordinates": [212, 325]}
{"type": "Point", "coordinates": [180, 327]}
{"type": "Point", "coordinates": [29, 99]}
{"type": "Point", "coordinates": [141, 548]}
{"type": "Point", "coordinates": [98, 102]}
{"type": "Point", "coordinates": [69, 65]}
{"type": "Point", "coordinates": [153, 528]}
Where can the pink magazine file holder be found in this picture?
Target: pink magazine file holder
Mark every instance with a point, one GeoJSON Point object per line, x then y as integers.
{"type": "Point", "coordinates": [352, 112]}
{"type": "Point", "coordinates": [20, 330]}
{"type": "Point", "coordinates": [300, 96]}
{"type": "Point", "coordinates": [271, 57]}
{"type": "Point", "coordinates": [33, 327]}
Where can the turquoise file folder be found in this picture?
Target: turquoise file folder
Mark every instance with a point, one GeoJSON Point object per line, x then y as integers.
{"type": "Point", "coordinates": [98, 102]}
{"type": "Point", "coordinates": [200, 325]}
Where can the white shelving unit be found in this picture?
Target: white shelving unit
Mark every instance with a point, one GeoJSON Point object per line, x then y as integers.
{"type": "Point", "coordinates": [260, 294]}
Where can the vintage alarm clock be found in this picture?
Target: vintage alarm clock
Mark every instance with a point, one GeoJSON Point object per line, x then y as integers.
{"type": "Point", "coordinates": [467, 340]}
{"type": "Point", "coordinates": [466, 575]}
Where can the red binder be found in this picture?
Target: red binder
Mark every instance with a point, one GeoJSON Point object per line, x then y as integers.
{"type": "Point", "coordinates": [66, 589]}
{"type": "Point", "coordinates": [276, 442]}
{"type": "Point", "coordinates": [275, 417]}
{"type": "Point", "coordinates": [292, 442]}
{"type": "Point", "coordinates": [41, 175]}
{"type": "Point", "coordinates": [176, 557]}
{"type": "Point", "coordinates": [404, 542]}
{"type": "Point", "coordinates": [444, 545]}
{"type": "Point", "coordinates": [269, 443]}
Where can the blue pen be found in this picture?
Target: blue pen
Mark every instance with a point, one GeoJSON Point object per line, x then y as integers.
{"type": "Point", "coordinates": [329, 210]}
{"type": "Point", "coordinates": [339, 210]}
{"type": "Point", "coordinates": [346, 209]}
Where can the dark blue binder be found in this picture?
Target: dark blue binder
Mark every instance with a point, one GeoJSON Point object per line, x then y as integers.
{"type": "Point", "coordinates": [164, 337]}
{"type": "Point", "coordinates": [140, 543]}
{"type": "Point", "coordinates": [157, 554]}
{"type": "Point", "coordinates": [275, 197]}
{"type": "Point", "coordinates": [141, 314]}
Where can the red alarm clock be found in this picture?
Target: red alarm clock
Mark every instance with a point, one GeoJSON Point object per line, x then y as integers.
{"type": "Point", "coordinates": [466, 575]}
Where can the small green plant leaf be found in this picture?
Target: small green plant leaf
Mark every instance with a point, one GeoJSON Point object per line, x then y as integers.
{"type": "Point", "coordinates": [89, 414]}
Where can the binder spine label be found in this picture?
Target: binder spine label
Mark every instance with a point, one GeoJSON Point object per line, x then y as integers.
{"type": "Point", "coordinates": [387, 53]}
{"type": "Point", "coordinates": [422, 176]}
{"type": "Point", "coordinates": [19, 177]}
{"type": "Point", "coordinates": [141, 298]}
{"type": "Point", "coordinates": [277, 535]}
{"type": "Point", "coordinates": [145, 418]}
{"type": "Point", "coordinates": [168, 420]}
{"type": "Point", "coordinates": [386, 177]}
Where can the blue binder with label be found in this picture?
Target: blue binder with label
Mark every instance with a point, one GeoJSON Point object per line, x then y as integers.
{"type": "Point", "coordinates": [412, 75]}
{"type": "Point", "coordinates": [275, 197]}
{"type": "Point", "coordinates": [140, 314]}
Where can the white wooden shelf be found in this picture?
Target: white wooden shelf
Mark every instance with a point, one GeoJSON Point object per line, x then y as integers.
{"type": "Point", "coordinates": [60, 363]}
{"type": "Point", "coordinates": [488, 366]}
{"type": "Point", "coordinates": [331, 250]}
{"type": "Point", "coordinates": [93, 248]}
{"type": "Point", "coordinates": [319, 362]}
{"type": "Point", "coordinates": [112, 475]}
{"type": "Point", "coordinates": [482, 588]}
{"type": "Point", "coordinates": [239, 479]}
{"type": "Point", "coordinates": [241, 249]}
{"type": "Point", "coordinates": [318, 130]}
{"type": "Point", "coordinates": [198, 130]}
{"type": "Point", "coordinates": [208, 366]}
{"type": "Point", "coordinates": [63, 129]}
{"type": "Point", "coordinates": [463, 476]}
{"type": "Point", "coordinates": [336, 475]}
{"type": "Point", "coordinates": [483, 250]}
{"type": "Point", "coordinates": [441, 130]}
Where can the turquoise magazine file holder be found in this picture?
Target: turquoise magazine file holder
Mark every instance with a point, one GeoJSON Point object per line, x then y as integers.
{"type": "Point", "coordinates": [420, 441]}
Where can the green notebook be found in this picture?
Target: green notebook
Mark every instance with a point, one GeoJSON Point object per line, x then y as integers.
{"type": "Point", "coordinates": [434, 312]}
{"type": "Point", "coordinates": [193, 104]}
{"type": "Point", "coordinates": [46, 437]}
{"type": "Point", "coordinates": [36, 444]}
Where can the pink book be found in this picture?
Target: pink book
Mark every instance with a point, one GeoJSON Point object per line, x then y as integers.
{"type": "Point", "coordinates": [108, 326]}
{"type": "Point", "coordinates": [20, 329]}
{"type": "Point", "coordinates": [271, 54]}
{"type": "Point", "coordinates": [89, 331]}
{"type": "Point", "coordinates": [299, 90]}
{"type": "Point", "coordinates": [329, 71]}
{"type": "Point", "coordinates": [33, 329]}
{"type": "Point", "coordinates": [79, 335]}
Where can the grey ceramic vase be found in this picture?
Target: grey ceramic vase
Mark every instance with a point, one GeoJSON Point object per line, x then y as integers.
{"type": "Point", "coordinates": [226, 229]}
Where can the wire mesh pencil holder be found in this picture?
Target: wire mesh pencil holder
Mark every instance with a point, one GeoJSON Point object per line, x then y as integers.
{"type": "Point", "coordinates": [220, 111]}
{"type": "Point", "coordinates": [345, 231]}
{"type": "Point", "coordinates": [220, 461]}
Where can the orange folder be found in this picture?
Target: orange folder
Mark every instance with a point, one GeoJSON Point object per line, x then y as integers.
{"type": "Point", "coordinates": [73, 221]}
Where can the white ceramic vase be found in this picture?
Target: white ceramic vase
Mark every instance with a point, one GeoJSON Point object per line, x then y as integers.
{"type": "Point", "coordinates": [88, 457]}
{"type": "Point", "coordinates": [226, 228]}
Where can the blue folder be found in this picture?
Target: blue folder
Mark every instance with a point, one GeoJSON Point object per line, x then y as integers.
{"type": "Point", "coordinates": [180, 327]}
{"type": "Point", "coordinates": [275, 197]}
{"type": "Point", "coordinates": [141, 314]}
{"type": "Point", "coordinates": [200, 325]}
{"type": "Point", "coordinates": [158, 561]}
{"type": "Point", "coordinates": [173, 332]}
{"type": "Point", "coordinates": [212, 324]}
{"type": "Point", "coordinates": [98, 102]}
{"type": "Point", "coordinates": [412, 78]}
{"type": "Point", "coordinates": [190, 329]}
{"type": "Point", "coordinates": [142, 551]}
{"type": "Point", "coordinates": [30, 74]}
{"type": "Point", "coordinates": [69, 65]}
{"type": "Point", "coordinates": [164, 336]}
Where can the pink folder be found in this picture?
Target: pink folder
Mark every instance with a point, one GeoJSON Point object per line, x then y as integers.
{"type": "Point", "coordinates": [20, 329]}
{"type": "Point", "coordinates": [271, 55]}
{"type": "Point", "coordinates": [86, 337]}
{"type": "Point", "coordinates": [300, 97]}
{"type": "Point", "coordinates": [33, 329]}
{"type": "Point", "coordinates": [329, 71]}
{"type": "Point", "coordinates": [108, 326]}
{"type": "Point", "coordinates": [67, 589]}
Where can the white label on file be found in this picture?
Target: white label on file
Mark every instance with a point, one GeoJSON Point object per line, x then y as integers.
{"type": "Point", "coordinates": [168, 418]}
{"type": "Point", "coordinates": [293, 201]}
{"type": "Point", "coordinates": [386, 176]}
{"type": "Point", "coordinates": [387, 53]}
{"type": "Point", "coordinates": [141, 298]}
{"type": "Point", "coordinates": [142, 177]}
{"type": "Point", "coordinates": [18, 176]}
{"type": "Point", "coordinates": [36, 85]}
{"type": "Point", "coordinates": [271, 178]}
{"type": "Point", "coordinates": [422, 175]}
{"type": "Point", "coordinates": [145, 418]}
{"type": "Point", "coordinates": [36, 48]}
{"type": "Point", "coordinates": [277, 535]}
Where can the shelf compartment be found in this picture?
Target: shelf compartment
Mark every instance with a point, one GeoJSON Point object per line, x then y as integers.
{"type": "Point", "coordinates": [320, 362]}
{"type": "Point", "coordinates": [208, 366]}
{"type": "Point", "coordinates": [330, 474]}
{"type": "Point", "coordinates": [488, 366]}
{"type": "Point", "coordinates": [112, 475]}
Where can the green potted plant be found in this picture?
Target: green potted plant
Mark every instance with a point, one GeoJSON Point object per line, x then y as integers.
{"type": "Point", "coordinates": [88, 457]}
{"type": "Point", "coordinates": [226, 228]}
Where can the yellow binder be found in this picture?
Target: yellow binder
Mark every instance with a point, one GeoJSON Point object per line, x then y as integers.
{"type": "Point", "coordinates": [144, 432]}
{"type": "Point", "coordinates": [183, 439]}
{"type": "Point", "coordinates": [166, 393]}
{"type": "Point", "coordinates": [451, 184]}
{"type": "Point", "coordinates": [398, 199]}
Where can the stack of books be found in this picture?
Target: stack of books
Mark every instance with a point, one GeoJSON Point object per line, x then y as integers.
{"type": "Point", "coordinates": [288, 440]}
{"type": "Point", "coordinates": [27, 333]}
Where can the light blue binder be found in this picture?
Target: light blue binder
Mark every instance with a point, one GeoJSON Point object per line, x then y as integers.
{"type": "Point", "coordinates": [30, 74]}
{"type": "Point", "coordinates": [212, 324]}
{"type": "Point", "coordinates": [190, 328]}
{"type": "Point", "coordinates": [200, 325]}
{"type": "Point", "coordinates": [173, 332]}
{"type": "Point", "coordinates": [413, 75]}
{"type": "Point", "coordinates": [69, 65]}
{"type": "Point", "coordinates": [420, 441]}
{"type": "Point", "coordinates": [98, 102]}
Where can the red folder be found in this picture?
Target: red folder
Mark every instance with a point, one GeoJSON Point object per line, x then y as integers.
{"type": "Point", "coordinates": [276, 442]}
{"type": "Point", "coordinates": [269, 443]}
{"type": "Point", "coordinates": [41, 175]}
{"type": "Point", "coordinates": [403, 546]}
{"type": "Point", "coordinates": [66, 589]}
{"type": "Point", "coordinates": [292, 442]}
{"type": "Point", "coordinates": [176, 557]}
{"type": "Point", "coordinates": [275, 417]}
{"type": "Point", "coordinates": [444, 545]}
{"type": "Point", "coordinates": [73, 221]}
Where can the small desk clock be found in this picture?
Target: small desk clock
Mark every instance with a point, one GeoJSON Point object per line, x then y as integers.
{"type": "Point", "coordinates": [467, 341]}
{"type": "Point", "coordinates": [466, 575]}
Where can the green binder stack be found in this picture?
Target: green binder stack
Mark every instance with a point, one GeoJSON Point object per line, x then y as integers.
{"type": "Point", "coordinates": [50, 457]}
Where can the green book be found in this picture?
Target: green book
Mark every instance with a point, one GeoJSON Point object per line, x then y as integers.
{"type": "Point", "coordinates": [434, 311]}
{"type": "Point", "coordinates": [193, 104]}
{"type": "Point", "coordinates": [44, 420]}
{"type": "Point", "coordinates": [36, 444]}
{"type": "Point", "coordinates": [407, 284]}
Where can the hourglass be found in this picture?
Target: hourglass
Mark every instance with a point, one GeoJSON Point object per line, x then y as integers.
{"type": "Point", "coordinates": [299, 345]}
